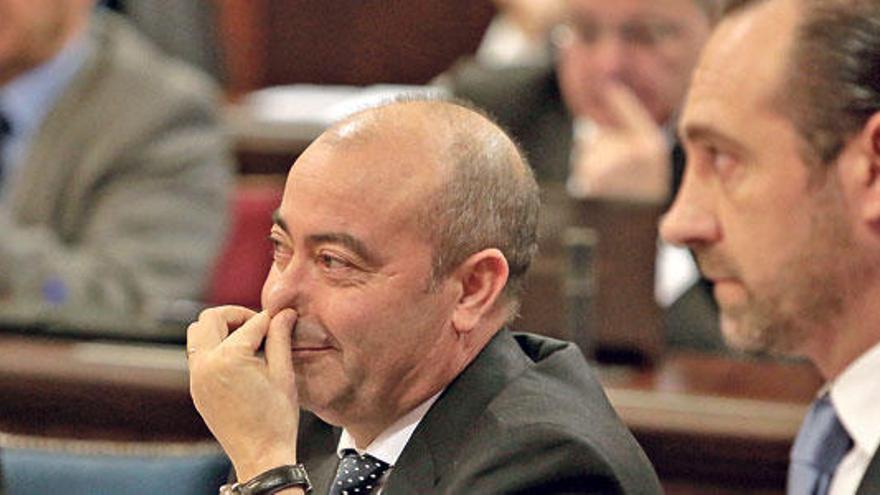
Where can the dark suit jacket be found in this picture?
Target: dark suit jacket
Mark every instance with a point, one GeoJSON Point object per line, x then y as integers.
{"type": "Point", "coordinates": [527, 416]}
{"type": "Point", "coordinates": [870, 484]}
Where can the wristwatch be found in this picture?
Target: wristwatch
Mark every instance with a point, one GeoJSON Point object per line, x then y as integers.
{"type": "Point", "coordinates": [272, 481]}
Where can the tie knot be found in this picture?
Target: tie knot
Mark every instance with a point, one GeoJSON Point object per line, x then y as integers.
{"type": "Point", "coordinates": [358, 474]}
{"type": "Point", "coordinates": [822, 441]}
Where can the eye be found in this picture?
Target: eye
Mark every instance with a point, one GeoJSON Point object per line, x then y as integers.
{"type": "Point", "coordinates": [332, 262]}
{"type": "Point", "coordinates": [724, 163]}
{"type": "Point", "coordinates": [281, 253]}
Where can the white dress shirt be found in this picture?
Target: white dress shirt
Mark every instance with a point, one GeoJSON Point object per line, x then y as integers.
{"type": "Point", "coordinates": [855, 394]}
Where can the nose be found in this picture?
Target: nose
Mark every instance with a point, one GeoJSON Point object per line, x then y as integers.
{"type": "Point", "coordinates": [690, 221]}
{"type": "Point", "coordinates": [609, 57]}
{"type": "Point", "coordinates": [285, 288]}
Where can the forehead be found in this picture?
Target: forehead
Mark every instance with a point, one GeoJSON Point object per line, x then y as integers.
{"type": "Point", "coordinates": [742, 67]}
{"type": "Point", "coordinates": [622, 10]}
{"type": "Point", "coordinates": [373, 184]}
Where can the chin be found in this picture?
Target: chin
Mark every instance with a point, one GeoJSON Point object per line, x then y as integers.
{"type": "Point", "coordinates": [757, 333]}
{"type": "Point", "coordinates": [323, 400]}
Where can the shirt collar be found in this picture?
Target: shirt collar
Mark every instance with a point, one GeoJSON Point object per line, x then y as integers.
{"type": "Point", "coordinates": [388, 446]}
{"type": "Point", "coordinates": [26, 99]}
{"type": "Point", "coordinates": [854, 394]}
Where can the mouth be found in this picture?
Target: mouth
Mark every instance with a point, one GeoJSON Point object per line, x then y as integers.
{"type": "Point", "coordinates": [303, 354]}
{"type": "Point", "coordinates": [310, 341]}
{"type": "Point", "coordinates": [728, 292]}
{"type": "Point", "coordinates": [310, 348]}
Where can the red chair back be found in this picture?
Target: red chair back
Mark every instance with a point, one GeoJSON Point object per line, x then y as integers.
{"type": "Point", "coordinates": [247, 256]}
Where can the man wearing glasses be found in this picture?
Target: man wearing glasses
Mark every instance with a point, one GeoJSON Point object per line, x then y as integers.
{"type": "Point", "coordinates": [602, 121]}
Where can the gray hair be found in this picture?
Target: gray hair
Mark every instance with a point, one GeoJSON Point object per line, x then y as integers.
{"type": "Point", "coordinates": [491, 200]}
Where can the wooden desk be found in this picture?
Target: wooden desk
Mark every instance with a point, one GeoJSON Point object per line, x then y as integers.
{"type": "Point", "coordinates": [707, 423]}
{"type": "Point", "coordinates": [95, 390]}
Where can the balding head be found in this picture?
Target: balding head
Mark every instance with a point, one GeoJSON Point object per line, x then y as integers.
{"type": "Point", "coordinates": [469, 184]}
{"type": "Point", "coordinates": [406, 223]}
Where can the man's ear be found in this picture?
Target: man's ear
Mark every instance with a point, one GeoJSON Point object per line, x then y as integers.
{"type": "Point", "coordinates": [868, 143]}
{"type": "Point", "coordinates": [482, 277]}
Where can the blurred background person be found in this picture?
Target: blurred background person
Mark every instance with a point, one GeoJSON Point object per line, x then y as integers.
{"type": "Point", "coordinates": [114, 170]}
{"type": "Point", "coordinates": [599, 118]}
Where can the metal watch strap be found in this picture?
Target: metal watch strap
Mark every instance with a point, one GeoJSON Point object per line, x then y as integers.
{"type": "Point", "coordinates": [275, 480]}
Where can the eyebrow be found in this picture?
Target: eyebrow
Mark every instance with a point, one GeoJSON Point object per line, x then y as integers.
{"type": "Point", "coordinates": [341, 238]}
{"type": "Point", "coordinates": [704, 132]}
{"type": "Point", "coordinates": [277, 220]}
{"type": "Point", "coordinates": [347, 241]}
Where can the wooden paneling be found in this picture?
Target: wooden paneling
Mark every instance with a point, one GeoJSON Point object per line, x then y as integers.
{"type": "Point", "coordinates": [346, 41]}
{"type": "Point", "coordinates": [619, 320]}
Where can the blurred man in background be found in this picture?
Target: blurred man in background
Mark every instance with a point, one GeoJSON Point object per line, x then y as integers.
{"type": "Point", "coordinates": [113, 170]}
{"type": "Point", "coordinates": [602, 122]}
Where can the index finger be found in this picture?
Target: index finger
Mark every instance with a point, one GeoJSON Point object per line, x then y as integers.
{"type": "Point", "coordinates": [628, 111]}
{"type": "Point", "coordinates": [214, 325]}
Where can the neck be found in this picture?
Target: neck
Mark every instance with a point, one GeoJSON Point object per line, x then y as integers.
{"type": "Point", "coordinates": [45, 53]}
{"type": "Point", "coordinates": [853, 334]}
{"type": "Point", "coordinates": [420, 384]}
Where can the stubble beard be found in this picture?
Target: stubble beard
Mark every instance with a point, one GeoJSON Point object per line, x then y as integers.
{"type": "Point", "coordinates": [809, 294]}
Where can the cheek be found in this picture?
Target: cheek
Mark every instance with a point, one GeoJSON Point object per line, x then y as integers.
{"type": "Point", "coordinates": [659, 83]}
{"type": "Point", "coordinates": [766, 244]}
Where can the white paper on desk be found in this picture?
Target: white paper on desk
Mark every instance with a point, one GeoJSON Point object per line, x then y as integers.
{"type": "Point", "coordinates": [324, 104]}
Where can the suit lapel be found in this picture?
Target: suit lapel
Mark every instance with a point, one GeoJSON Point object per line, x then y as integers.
{"type": "Point", "coordinates": [415, 471]}
{"type": "Point", "coordinates": [870, 484]}
{"type": "Point", "coordinates": [431, 451]}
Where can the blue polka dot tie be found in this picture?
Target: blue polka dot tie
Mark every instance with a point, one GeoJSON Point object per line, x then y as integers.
{"type": "Point", "coordinates": [818, 449]}
{"type": "Point", "coordinates": [358, 474]}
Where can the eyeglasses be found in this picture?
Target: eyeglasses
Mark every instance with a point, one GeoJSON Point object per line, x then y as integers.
{"type": "Point", "coordinates": [637, 33]}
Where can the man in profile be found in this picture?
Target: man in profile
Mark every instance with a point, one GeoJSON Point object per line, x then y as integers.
{"type": "Point", "coordinates": [400, 247]}
{"type": "Point", "coordinates": [781, 205]}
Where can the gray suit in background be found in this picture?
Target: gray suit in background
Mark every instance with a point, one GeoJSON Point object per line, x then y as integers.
{"type": "Point", "coordinates": [120, 204]}
{"type": "Point", "coordinates": [526, 417]}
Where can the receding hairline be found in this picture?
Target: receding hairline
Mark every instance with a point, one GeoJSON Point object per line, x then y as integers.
{"type": "Point", "coordinates": [429, 114]}
{"type": "Point", "coordinates": [437, 124]}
